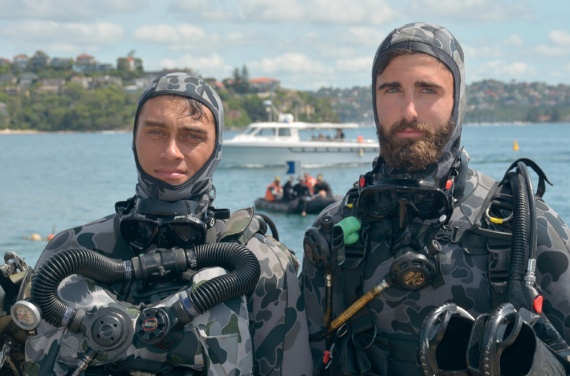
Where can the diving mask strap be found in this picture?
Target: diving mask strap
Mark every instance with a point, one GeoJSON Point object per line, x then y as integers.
{"type": "Point", "coordinates": [124, 207]}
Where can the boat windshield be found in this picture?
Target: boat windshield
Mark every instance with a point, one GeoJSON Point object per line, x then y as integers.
{"type": "Point", "coordinates": [268, 132]}
{"type": "Point", "coordinates": [284, 132]}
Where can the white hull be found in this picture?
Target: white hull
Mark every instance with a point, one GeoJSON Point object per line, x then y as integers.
{"type": "Point", "coordinates": [277, 143]}
{"type": "Point", "coordinates": [308, 154]}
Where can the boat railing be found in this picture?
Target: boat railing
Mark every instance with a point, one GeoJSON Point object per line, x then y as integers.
{"type": "Point", "coordinates": [358, 140]}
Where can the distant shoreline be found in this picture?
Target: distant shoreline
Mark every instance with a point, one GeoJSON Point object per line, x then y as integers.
{"type": "Point", "coordinates": [17, 131]}
{"type": "Point", "coordinates": [33, 131]}
{"type": "Point", "coordinates": [239, 129]}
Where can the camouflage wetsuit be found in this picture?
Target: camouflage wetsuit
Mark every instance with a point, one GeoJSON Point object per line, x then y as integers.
{"type": "Point", "coordinates": [264, 333]}
{"type": "Point", "coordinates": [382, 338]}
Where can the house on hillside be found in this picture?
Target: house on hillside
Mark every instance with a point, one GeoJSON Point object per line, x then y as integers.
{"type": "Point", "coordinates": [84, 82]}
{"type": "Point", "coordinates": [39, 61]}
{"type": "Point", "coordinates": [136, 85]}
{"type": "Point", "coordinates": [263, 84]}
{"type": "Point", "coordinates": [4, 116]}
{"type": "Point", "coordinates": [62, 63]}
{"type": "Point", "coordinates": [4, 62]}
{"type": "Point", "coordinates": [51, 86]}
{"type": "Point", "coordinates": [8, 79]}
{"type": "Point", "coordinates": [20, 61]}
{"type": "Point", "coordinates": [27, 79]}
{"type": "Point", "coordinates": [84, 63]}
{"type": "Point", "coordinates": [130, 63]}
{"type": "Point", "coordinates": [105, 81]}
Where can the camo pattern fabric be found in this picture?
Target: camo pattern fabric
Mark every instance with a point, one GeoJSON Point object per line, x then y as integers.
{"type": "Point", "coordinates": [398, 313]}
{"type": "Point", "coordinates": [434, 40]}
{"type": "Point", "coordinates": [437, 41]}
{"type": "Point", "coordinates": [263, 334]}
{"type": "Point", "coordinates": [222, 332]}
{"type": "Point", "coordinates": [185, 85]}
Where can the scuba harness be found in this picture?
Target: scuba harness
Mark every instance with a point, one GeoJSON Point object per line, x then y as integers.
{"type": "Point", "coordinates": [388, 205]}
{"type": "Point", "coordinates": [152, 324]}
{"type": "Point", "coordinates": [505, 228]}
{"type": "Point", "coordinates": [13, 278]}
{"type": "Point", "coordinates": [371, 202]}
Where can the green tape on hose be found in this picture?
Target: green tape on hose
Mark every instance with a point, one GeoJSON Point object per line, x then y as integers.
{"type": "Point", "coordinates": [350, 227]}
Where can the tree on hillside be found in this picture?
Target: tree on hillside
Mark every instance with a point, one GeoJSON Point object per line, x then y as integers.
{"type": "Point", "coordinates": [239, 83]}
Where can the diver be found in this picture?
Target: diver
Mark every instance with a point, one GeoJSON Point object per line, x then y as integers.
{"type": "Point", "coordinates": [426, 266]}
{"type": "Point", "coordinates": [148, 289]}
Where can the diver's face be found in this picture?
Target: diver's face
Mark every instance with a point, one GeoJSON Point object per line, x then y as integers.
{"type": "Point", "coordinates": [171, 144]}
{"type": "Point", "coordinates": [414, 100]}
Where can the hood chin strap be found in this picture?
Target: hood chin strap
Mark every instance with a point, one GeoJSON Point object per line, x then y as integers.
{"type": "Point", "coordinates": [204, 205]}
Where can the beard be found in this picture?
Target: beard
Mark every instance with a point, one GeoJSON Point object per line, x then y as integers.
{"type": "Point", "coordinates": [413, 155]}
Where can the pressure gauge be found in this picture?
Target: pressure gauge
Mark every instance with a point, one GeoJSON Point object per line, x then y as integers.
{"type": "Point", "coordinates": [25, 314]}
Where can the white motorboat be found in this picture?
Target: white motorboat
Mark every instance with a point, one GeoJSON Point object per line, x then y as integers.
{"type": "Point", "coordinates": [265, 144]}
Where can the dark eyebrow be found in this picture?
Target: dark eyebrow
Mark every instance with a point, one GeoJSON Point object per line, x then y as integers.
{"type": "Point", "coordinates": [153, 123]}
{"type": "Point", "coordinates": [195, 129]}
{"type": "Point", "coordinates": [159, 124]}
{"type": "Point", "coordinates": [420, 84]}
{"type": "Point", "coordinates": [427, 84]}
{"type": "Point", "coordinates": [389, 85]}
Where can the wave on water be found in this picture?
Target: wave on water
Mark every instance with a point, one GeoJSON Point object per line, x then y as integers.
{"type": "Point", "coordinates": [498, 124]}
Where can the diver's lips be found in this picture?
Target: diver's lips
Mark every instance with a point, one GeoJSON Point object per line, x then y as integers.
{"type": "Point", "coordinates": [170, 175]}
{"type": "Point", "coordinates": [410, 133]}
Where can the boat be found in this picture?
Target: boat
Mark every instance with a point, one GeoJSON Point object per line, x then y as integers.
{"type": "Point", "coordinates": [311, 206]}
{"type": "Point", "coordinates": [276, 143]}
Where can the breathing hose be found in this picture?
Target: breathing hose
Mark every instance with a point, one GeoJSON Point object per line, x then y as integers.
{"type": "Point", "coordinates": [532, 211]}
{"type": "Point", "coordinates": [269, 222]}
{"type": "Point", "coordinates": [521, 228]}
{"type": "Point", "coordinates": [241, 262]}
{"type": "Point", "coordinates": [521, 289]}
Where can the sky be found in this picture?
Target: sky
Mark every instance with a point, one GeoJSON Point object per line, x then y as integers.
{"type": "Point", "coordinates": [305, 44]}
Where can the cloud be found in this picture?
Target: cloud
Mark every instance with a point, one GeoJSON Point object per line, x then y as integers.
{"type": "Point", "coordinates": [357, 65]}
{"type": "Point", "coordinates": [561, 74]}
{"type": "Point", "coordinates": [345, 43]}
{"type": "Point", "coordinates": [507, 70]}
{"type": "Point", "coordinates": [472, 10]}
{"type": "Point", "coordinates": [551, 51]}
{"type": "Point", "coordinates": [364, 36]}
{"type": "Point", "coordinates": [294, 70]}
{"type": "Point", "coordinates": [290, 63]}
{"type": "Point", "coordinates": [169, 34]}
{"type": "Point", "coordinates": [186, 37]}
{"type": "Point", "coordinates": [559, 38]}
{"type": "Point", "coordinates": [514, 40]}
{"type": "Point", "coordinates": [560, 44]}
{"type": "Point", "coordinates": [297, 11]}
{"type": "Point", "coordinates": [67, 10]}
{"type": "Point", "coordinates": [300, 71]}
{"type": "Point", "coordinates": [206, 66]}
{"type": "Point", "coordinates": [486, 51]}
{"type": "Point", "coordinates": [41, 32]}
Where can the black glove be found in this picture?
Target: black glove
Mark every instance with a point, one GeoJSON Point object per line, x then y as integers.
{"type": "Point", "coordinates": [502, 343]}
{"type": "Point", "coordinates": [443, 341]}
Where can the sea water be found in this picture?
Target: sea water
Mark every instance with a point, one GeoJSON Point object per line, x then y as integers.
{"type": "Point", "coordinates": [51, 182]}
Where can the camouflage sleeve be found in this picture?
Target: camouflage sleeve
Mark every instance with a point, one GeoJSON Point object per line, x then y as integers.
{"type": "Point", "coordinates": [553, 267]}
{"type": "Point", "coordinates": [313, 290]}
{"type": "Point", "coordinates": [41, 352]}
{"type": "Point", "coordinates": [277, 314]}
